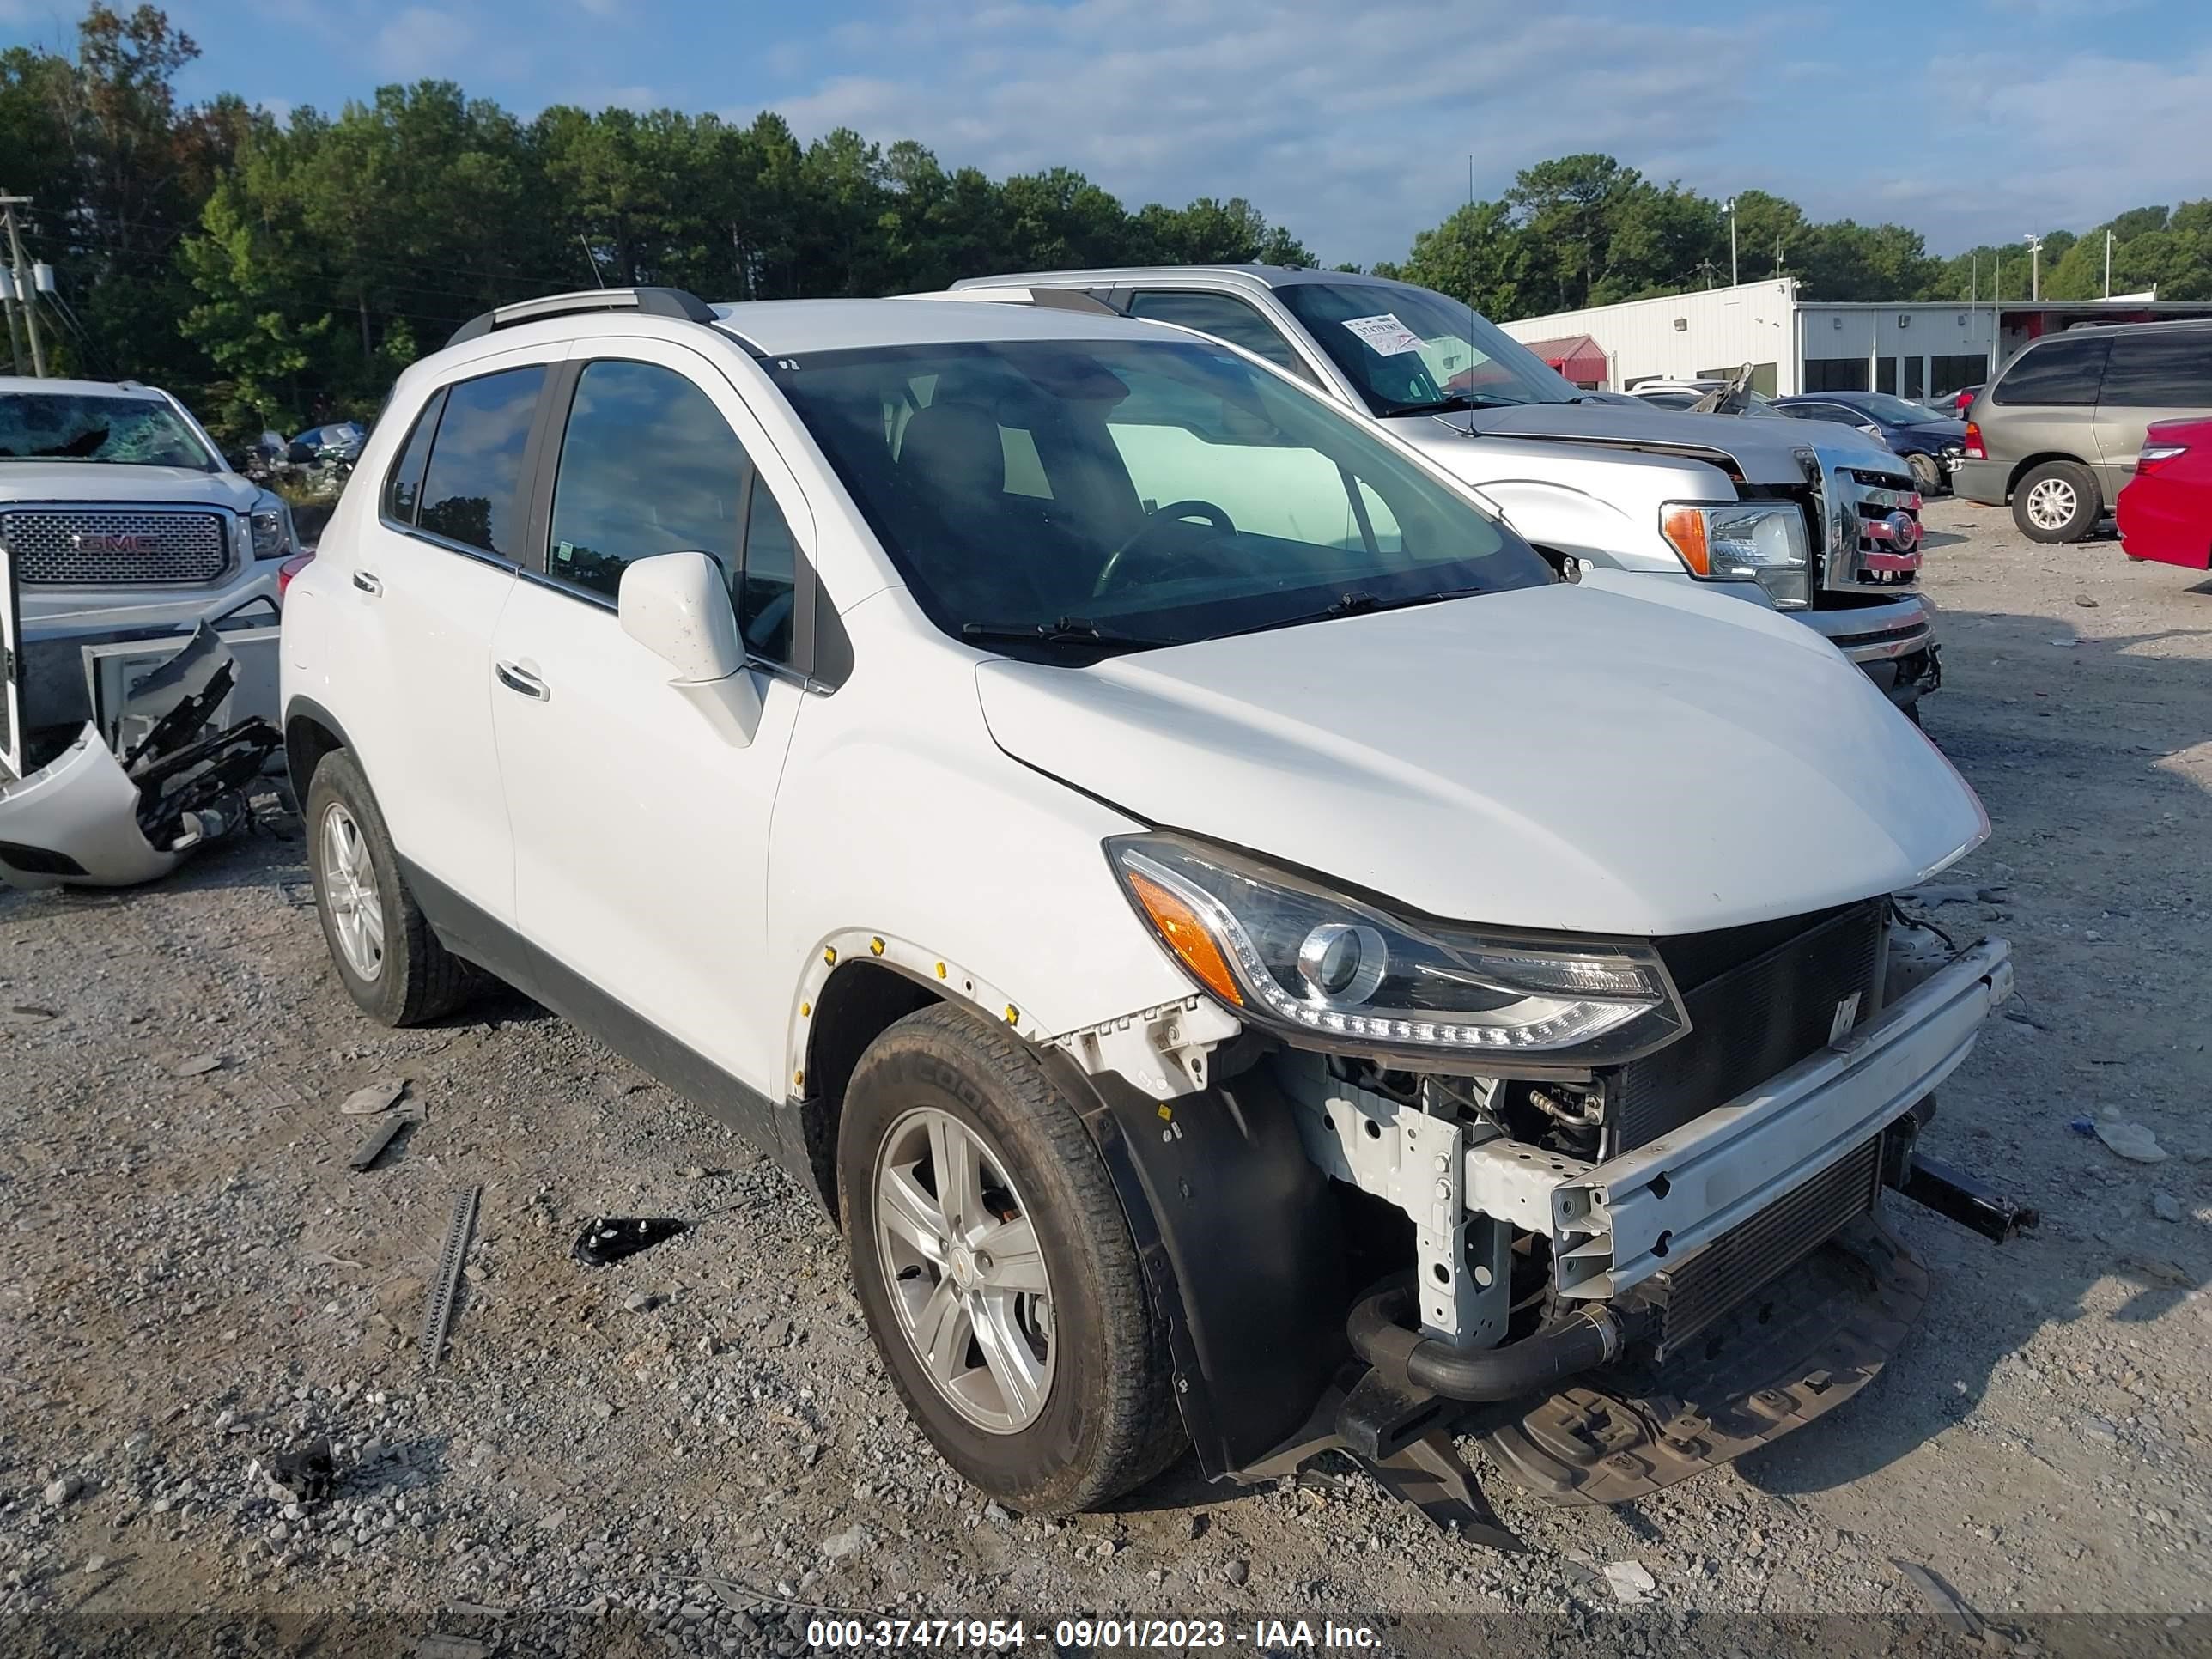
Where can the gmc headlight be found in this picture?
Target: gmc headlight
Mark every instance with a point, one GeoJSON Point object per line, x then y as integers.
{"type": "Point", "coordinates": [1758, 541]}
{"type": "Point", "coordinates": [1332, 972]}
{"type": "Point", "coordinates": [272, 531]}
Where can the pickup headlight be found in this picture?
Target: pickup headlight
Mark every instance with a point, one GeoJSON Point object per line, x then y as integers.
{"type": "Point", "coordinates": [273, 530]}
{"type": "Point", "coordinates": [1333, 972]}
{"type": "Point", "coordinates": [1761, 541]}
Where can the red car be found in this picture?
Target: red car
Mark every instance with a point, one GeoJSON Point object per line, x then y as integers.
{"type": "Point", "coordinates": [2166, 511]}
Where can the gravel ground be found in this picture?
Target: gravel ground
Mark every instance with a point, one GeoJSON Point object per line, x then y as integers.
{"type": "Point", "coordinates": [698, 1446]}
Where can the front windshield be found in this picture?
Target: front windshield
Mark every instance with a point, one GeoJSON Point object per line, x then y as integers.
{"type": "Point", "coordinates": [1094, 494]}
{"type": "Point", "coordinates": [1411, 351]}
{"type": "Point", "coordinates": [1895, 411]}
{"type": "Point", "coordinates": [71, 426]}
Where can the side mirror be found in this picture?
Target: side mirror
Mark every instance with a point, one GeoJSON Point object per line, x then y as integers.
{"type": "Point", "coordinates": [1871, 429]}
{"type": "Point", "coordinates": [676, 605]}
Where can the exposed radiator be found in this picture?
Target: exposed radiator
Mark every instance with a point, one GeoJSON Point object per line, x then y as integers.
{"type": "Point", "coordinates": [1692, 1293]}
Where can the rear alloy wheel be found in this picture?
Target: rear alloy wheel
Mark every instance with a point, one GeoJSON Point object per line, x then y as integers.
{"type": "Point", "coordinates": [1927, 473]}
{"type": "Point", "coordinates": [390, 962]}
{"type": "Point", "coordinates": [997, 1271]}
{"type": "Point", "coordinates": [2057, 501]}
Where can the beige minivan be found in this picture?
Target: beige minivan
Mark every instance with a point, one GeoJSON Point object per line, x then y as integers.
{"type": "Point", "coordinates": [2058, 432]}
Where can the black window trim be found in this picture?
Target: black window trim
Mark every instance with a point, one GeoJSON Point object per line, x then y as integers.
{"type": "Point", "coordinates": [437, 399]}
{"type": "Point", "coordinates": [542, 464]}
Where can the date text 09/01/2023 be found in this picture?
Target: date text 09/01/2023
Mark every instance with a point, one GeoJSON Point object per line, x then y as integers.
{"type": "Point", "coordinates": [1168, 1634]}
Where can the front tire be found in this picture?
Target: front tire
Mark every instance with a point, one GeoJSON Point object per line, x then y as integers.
{"type": "Point", "coordinates": [390, 962]}
{"type": "Point", "coordinates": [2057, 501]}
{"type": "Point", "coordinates": [997, 1271]}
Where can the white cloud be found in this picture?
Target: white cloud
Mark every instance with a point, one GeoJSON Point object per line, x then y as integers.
{"type": "Point", "coordinates": [1353, 126]}
{"type": "Point", "coordinates": [421, 41]}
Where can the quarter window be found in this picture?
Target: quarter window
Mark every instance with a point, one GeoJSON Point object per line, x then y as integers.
{"type": "Point", "coordinates": [471, 487]}
{"type": "Point", "coordinates": [2160, 370]}
{"type": "Point", "coordinates": [2064, 372]}
{"type": "Point", "coordinates": [403, 490]}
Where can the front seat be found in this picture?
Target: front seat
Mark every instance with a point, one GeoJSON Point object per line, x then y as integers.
{"type": "Point", "coordinates": [953, 471]}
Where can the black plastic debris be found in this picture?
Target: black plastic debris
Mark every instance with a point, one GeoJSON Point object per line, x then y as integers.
{"type": "Point", "coordinates": [307, 1471]}
{"type": "Point", "coordinates": [612, 1238]}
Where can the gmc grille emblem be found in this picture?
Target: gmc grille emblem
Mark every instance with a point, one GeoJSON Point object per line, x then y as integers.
{"type": "Point", "coordinates": [99, 543]}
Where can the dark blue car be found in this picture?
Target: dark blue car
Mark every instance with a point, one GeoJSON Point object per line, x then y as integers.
{"type": "Point", "coordinates": [1930, 443]}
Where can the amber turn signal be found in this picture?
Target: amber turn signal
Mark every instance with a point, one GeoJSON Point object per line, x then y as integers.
{"type": "Point", "coordinates": [1187, 936]}
{"type": "Point", "coordinates": [1685, 528]}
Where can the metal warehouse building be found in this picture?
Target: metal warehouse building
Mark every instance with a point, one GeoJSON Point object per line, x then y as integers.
{"type": "Point", "coordinates": [1915, 349]}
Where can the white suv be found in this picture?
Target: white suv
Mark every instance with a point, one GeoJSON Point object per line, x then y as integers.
{"type": "Point", "coordinates": [1197, 898]}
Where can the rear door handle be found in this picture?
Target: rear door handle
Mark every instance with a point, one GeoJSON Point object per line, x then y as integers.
{"type": "Point", "coordinates": [515, 678]}
{"type": "Point", "coordinates": [368, 584]}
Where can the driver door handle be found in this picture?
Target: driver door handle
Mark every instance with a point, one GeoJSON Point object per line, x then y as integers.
{"type": "Point", "coordinates": [515, 678]}
{"type": "Point", "coordinates": [367, 583]}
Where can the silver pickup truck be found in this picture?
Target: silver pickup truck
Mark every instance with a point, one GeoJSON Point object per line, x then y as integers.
{"type": "Point", "coordinates": [1824, 524]}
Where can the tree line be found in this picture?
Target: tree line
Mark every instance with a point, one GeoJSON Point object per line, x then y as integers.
{"type": "Point", "coordinates": [1585, 230]}
{"type": "Point", "coordinates": [275, 272]}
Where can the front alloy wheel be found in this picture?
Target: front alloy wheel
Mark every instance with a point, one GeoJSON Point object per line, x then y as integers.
{"type": "Point", "coordinates": [964, 1271]}
{"type": "Point", "coordinates": [997, 1270]}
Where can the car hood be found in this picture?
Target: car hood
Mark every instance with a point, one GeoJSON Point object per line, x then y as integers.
{"type": "Point", "coordinates": [1762, 449]}
{"type": "Point", "coordinates": [102, 481]}
{"type": "Point", "coordinates": [1614, 757]}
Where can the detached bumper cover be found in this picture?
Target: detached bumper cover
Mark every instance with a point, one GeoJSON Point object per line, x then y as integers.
{"type": "Point", "coordinates": [1613, 1224]}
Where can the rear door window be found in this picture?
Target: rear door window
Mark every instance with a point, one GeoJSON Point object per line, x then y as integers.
{"type": "Point", "coordinates": [2056, 372]}
{"type": "Point", "coordinates": [2160, 370]}
{"type": "Point", "coordinates": [471, 488]}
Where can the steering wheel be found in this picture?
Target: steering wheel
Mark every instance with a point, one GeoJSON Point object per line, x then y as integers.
{"type": "Point", "coordinates": [1173, 513]}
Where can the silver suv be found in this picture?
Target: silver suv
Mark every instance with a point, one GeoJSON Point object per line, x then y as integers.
{"type": "Point", "coordinates": [2057, 432]}
{"type": "Point", "coordinates": [119, 520]}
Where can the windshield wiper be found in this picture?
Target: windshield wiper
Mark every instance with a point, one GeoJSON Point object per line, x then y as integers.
{"type": "Point", "coordinates": [1065, 630]}
{"type": "Point", "coordinates": [1454, 403]}
{"type": "Point", "coordinates": [1355, 602]}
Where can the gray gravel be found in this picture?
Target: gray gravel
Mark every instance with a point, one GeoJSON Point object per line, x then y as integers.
{"type": "Point", "coordinates": [699, 1439]}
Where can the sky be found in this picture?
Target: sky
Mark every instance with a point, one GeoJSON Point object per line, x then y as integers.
{"type": "Point", "coordinates": [1971, 121]}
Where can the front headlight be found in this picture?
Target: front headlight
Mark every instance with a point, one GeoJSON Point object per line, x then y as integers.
{"type": "Point", "coordinates": [273, 530]}
{"type": "Point", "coordinates": [1336, 973]}
{"type": "Point", "coordinates": [1762, 541]}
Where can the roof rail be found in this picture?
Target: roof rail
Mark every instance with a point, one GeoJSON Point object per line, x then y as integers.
{"type": "Point", "coordinates": [652, 302]}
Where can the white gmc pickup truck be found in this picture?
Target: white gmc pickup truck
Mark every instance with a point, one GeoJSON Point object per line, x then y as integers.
{"type": "Point", "coordinates": [1821, 523]}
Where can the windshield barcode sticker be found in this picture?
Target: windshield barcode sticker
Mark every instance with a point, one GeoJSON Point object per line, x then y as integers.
{"type": "Point", "coordinates": [1384, 334]}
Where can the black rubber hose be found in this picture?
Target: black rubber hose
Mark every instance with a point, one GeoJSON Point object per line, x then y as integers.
{"type": "Point", "coordinates": [1575, 1344]}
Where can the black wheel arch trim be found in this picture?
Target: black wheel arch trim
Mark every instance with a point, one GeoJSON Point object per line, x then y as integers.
{"type": "Point", "coordinates": [1242, 1249]}
{"type": "Point", "coordinates": [302, 708]}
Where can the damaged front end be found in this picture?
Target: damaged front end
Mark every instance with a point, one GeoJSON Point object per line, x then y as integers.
{"type": "Point", "coordinates": [94, 818]}
{"type": "Point", "coordinates": [1616, 1274]}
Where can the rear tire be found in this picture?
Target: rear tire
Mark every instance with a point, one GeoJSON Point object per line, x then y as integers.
{"type": "Point", "coordinates": [1085, 1409]}
{"type": "Point", "coordinates": [2057, 501]}
{"type": "Point", "coordinates": [1927, 473]}
{"type": "Point", "coordinates": [386, 956]}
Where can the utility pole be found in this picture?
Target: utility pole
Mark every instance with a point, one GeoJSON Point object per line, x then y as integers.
{"type": "Point", "coordinates": [25, 289]}
{"type": "Point", "coordinates": [1729, 208]}
{"type": "Point", "coordinates": [15, 329]}
{"type": "Point", "coordinates": [2108, 265]}
{"type": "Point", "coordinates": [2034, 265]}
